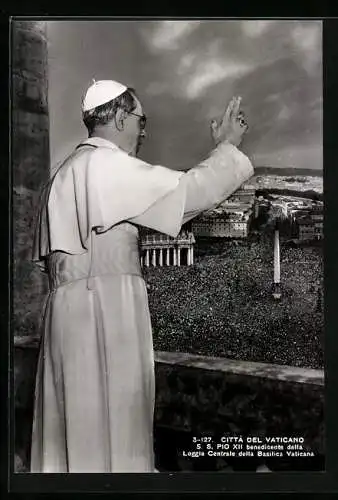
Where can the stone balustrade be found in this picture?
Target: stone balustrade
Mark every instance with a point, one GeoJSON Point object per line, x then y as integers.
{"type": "Point", "coordinates": [205, 395]}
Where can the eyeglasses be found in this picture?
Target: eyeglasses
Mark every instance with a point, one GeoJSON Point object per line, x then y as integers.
{"type": "Point", "coordinates": [143, 119]}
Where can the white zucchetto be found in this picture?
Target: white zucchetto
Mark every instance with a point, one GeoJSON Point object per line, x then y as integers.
{"type": "Point", "coordinates": [101, 92]}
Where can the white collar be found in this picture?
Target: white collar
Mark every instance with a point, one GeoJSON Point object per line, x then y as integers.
{"type": "Point", "coordinates": [100, 142]}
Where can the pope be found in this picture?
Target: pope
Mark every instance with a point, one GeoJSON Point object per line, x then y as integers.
{"type": "Point", "coordinates": [95, 382]}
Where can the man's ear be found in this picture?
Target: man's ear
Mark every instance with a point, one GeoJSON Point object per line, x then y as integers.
{"type": "Point", "coordinates": [120, 117]}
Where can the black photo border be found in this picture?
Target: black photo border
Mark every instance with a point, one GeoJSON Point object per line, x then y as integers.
{"type": "Point", "coordinates": [196, 482]}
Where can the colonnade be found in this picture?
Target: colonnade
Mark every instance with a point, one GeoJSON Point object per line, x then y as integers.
{"type": "Point", "coordinates": [166, 256]}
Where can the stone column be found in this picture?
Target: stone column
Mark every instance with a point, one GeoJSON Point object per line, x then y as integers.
{"type": "Point", "coordinates": [161, 256]}
{"type": "Point", "coordinates": [147, 257]}
{"type": "Point", "coordinates": [153, 260]}
{"type": "Point", "coordinates": [30, 163]}
{"type": "Point", "coordinates": [168, 256]}
{"type": "Point", "coordinates": [30, 170]}
{"type": "Point", "coordinates": [191, 255]}
{"type": "Point", "coordinates": [175, 257]}
{"type": "Point", "coordinates": [178, 256]}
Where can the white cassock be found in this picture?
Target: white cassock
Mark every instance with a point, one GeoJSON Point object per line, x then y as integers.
{"type": "Point", "coordinates": [95, 387]}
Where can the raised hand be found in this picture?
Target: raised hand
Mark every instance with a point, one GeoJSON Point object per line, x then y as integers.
{"type": "Point", "coordinates": [233, 125]}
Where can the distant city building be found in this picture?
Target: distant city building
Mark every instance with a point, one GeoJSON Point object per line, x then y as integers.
{"type": "Point", "coordinates": [306, 229]}
{"type": "Point", "coordinates": [296, 183]}
{"type": "Point", "coordinates": [159, 249]}
{"type": "Point", "coordinates": [278, 210]}
{"type": "Point", "coordinates": [317, 212]}
{"type": "Point", "coordinates": [319, 230]}
{"type": "Point", "coordinates": [318, 207]}
{"type": "Point", "coordinates": [305, 215]}
{"type": "Point", "coordinates": [310, 222]}
{"type": "Point", "coordinates": [235, 226]}
{"type": "Point", "coordinates": [231, 219]}
{"type": "Point", "coordinates": [261, 206]}
{"type": "Point", "coordinates": [282, 205]}
{"type": "Point", "coordinates": [245, 195]}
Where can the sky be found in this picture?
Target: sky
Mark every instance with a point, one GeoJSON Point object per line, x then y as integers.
{"type": "Point", "coordinates": [185, 72]}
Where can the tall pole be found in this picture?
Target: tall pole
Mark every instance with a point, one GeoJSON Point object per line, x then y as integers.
{"type": "Point", "coordinates": [276, 266]}
{"type": "Point", "coordinates": [276, 269]}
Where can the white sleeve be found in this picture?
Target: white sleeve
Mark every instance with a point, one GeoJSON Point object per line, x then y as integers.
{"type": "Point", "coordinates": [199, 189]}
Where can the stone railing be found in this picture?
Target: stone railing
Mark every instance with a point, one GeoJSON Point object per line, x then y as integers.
{"type": "Point", "coordinates": [198, 395]}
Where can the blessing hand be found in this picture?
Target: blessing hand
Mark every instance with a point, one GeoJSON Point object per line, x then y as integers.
{"type": "Point", "coordinates": [233, 125]}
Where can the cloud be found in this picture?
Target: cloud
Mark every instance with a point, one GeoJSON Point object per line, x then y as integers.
{"type": "Point", "coordinates": [307, 36]}
{"type": "Point", "coordinates": [272, 97]}
{"type": "Point", "coordinates": [254, 29]}
{"type": "Point", "coordinates": [157, 88]}
{"type": "Point", "coordinates": [168, 34]}
{"type": "Point", "coordinates": [186, 63]}
{"type": "Point", "coordinates": [211, 72]}
{"type": "Point", "coordinates": [307, 39]}
{"type": "Point", "coordinates": [285, 113]}
{"type": "Point", "coordinates": [185, 71]}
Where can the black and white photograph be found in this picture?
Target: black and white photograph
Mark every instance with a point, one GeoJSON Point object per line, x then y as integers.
{"type": "Point", "coordinates": [168, 233]}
